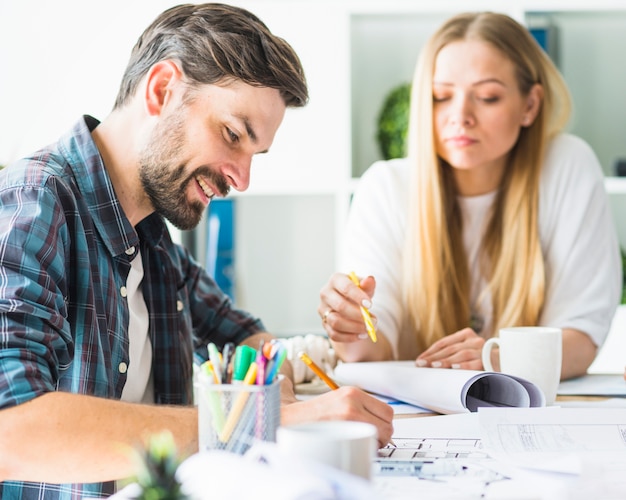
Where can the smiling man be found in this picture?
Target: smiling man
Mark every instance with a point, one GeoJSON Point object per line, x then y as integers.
{"type": "Point", "coordinates": [100, 312]}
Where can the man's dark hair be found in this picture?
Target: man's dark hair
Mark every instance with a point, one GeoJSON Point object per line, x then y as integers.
{"type": "Point", "coordinates": [213, 43]}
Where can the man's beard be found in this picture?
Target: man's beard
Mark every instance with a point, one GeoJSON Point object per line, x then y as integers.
{"type": "Point", "coordinates": [164, 178]}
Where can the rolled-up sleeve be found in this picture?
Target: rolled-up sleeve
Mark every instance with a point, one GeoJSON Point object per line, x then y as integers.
{"type": "Point", "coordinates": [34, 335]}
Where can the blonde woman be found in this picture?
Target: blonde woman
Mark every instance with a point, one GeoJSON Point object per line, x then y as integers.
{"type": "Point", "coordinates": [496, 218]}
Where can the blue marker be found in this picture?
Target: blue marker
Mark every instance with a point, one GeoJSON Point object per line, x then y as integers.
{"type": "Point", "coordinates": [276, 363]}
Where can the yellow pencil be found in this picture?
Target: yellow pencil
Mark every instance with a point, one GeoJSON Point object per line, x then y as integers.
{"type": "Point", "coordinates": [369, 325]}
{"type": "Point", "coordinates": [238, 405]}
{"type": "Point", "coordinates": [318, 371]}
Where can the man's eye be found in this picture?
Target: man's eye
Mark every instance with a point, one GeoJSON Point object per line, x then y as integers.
{"type": "Point", "coordinates": [232, 136]}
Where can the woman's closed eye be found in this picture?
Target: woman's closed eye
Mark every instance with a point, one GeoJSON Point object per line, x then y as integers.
{"type": "Point", "coordinates": [489, 99]}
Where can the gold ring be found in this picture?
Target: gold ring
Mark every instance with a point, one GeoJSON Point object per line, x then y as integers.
{"type": "Point", "coordinates": [325, 315]}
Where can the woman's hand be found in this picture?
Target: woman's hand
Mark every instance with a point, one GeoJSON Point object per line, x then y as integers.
{"type": "Point", "coordinates": [339, 308]}
{"type": "Point", "coordinates": [462, 349]}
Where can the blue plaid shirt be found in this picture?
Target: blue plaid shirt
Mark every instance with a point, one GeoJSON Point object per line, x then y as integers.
{"type": "Point", "coordinates": [65, 253]}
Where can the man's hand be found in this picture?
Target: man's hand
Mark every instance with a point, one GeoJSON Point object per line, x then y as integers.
{"type": "Point", "coordinates": [345, 403]}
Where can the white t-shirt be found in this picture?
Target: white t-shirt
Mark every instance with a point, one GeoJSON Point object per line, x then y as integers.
{"type": "Point", "coordinates": [578, 240]}
{"type": "Point", "coordinates": [139, 383]}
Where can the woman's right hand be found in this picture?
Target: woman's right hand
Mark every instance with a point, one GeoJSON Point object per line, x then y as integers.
{"type": "Point", "coordinates": [339, 308]}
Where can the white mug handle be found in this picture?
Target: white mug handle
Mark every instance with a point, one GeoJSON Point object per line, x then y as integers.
{"type": "Point", "coordinates": [486, 354]}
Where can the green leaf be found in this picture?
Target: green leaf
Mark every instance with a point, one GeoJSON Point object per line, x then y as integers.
{"type": "Point", "coordinates": [158, 463]}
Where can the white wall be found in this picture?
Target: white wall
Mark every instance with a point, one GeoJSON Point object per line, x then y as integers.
{"type": "Point", "coordinates": [59, 60]}
{"type": "Point", "coordinates": [590, 55]}
{"type": "Point", "coordinates": [62, 59]}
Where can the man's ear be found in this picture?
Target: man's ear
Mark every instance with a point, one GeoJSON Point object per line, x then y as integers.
{"type": "Point", "coordinates": [533, 104]}
{"type": "Point", "coordinates": [160, 80]}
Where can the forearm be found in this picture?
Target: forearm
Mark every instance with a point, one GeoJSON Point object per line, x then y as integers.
{"type": "Point", "coordinates": [579, 352]}
{"type": "Point", "coordinates": [63, 438]}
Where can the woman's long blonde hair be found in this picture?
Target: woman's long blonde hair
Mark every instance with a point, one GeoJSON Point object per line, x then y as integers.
{"type": "Point", "coordinates": [436, 276]}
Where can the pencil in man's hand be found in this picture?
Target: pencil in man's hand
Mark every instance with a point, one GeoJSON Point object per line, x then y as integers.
{"type": "Point", "coordinates": [318, 371]}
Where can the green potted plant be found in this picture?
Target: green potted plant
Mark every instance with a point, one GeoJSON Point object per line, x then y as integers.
{"type": "Point", "coordinates": [158, 462]}
{"type": "Point", "coordinates": [393, 122]}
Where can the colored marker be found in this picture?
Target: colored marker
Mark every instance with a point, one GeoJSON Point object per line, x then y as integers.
{"type": "Point", "coordinates": [244, 356]}
{"type": "Point", "coordinates": [214, 356]}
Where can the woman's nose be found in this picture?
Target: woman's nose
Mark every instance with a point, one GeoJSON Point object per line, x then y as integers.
{"type": "Point", "coordinates": [462, 112]}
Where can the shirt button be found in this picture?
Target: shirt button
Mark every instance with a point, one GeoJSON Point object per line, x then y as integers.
{"type": "Point", "coordinates": [123, 291]}
{"type": "Point", "coordinates": [179, 305]}
{"type": "Point", "coordinates": [130, 251]}
{"type": "Point", "coordinates": [123, 367]}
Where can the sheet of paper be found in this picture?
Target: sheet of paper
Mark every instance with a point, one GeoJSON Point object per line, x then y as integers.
{"type": "Point", "coordinates": [554, 439]}
{"type": "Point", "coordinates": [522, 485]}
{"type": "Point", "coordinates": [598, 474]}
{"type": "Point", "coordinates": [593, 403]}
{"type": "Point", "coordinates": [594, 385]}
{"type": "Point", "coordinates": [454, 426]}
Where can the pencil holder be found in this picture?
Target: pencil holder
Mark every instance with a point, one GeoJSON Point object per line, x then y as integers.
{"type": "Point", "coordinates": [232, 417]}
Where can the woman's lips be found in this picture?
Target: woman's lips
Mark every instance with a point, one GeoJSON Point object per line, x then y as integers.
{"type": "Point", "coordinates": [461, 140]}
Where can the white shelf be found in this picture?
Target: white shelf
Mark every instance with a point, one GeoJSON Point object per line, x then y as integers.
{"type": "Point", "coordinates": [615, 185]}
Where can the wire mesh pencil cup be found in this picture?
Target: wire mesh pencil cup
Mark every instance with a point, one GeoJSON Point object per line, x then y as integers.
{"type": "Point", "coordinates": [232, 417]}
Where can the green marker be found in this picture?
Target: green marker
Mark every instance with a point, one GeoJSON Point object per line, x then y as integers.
{"type": "Point", "coordinates": [244, 355]}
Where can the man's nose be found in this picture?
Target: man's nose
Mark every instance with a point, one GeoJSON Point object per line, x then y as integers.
{"type": "Point", "coordinates": [238, 173]}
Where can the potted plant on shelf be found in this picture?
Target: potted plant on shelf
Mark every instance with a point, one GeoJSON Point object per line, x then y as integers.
{"type": "Point", "coordinates": [393, 122]}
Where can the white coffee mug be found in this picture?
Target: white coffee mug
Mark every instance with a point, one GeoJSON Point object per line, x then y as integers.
{"type": "Point", "coordinates": [533, 353]}
{"type": "Point", "coordinates": [349, 446]}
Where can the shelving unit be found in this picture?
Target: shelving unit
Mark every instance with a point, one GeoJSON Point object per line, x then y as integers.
{"type": "Point", "coordinates": [289, 223]}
